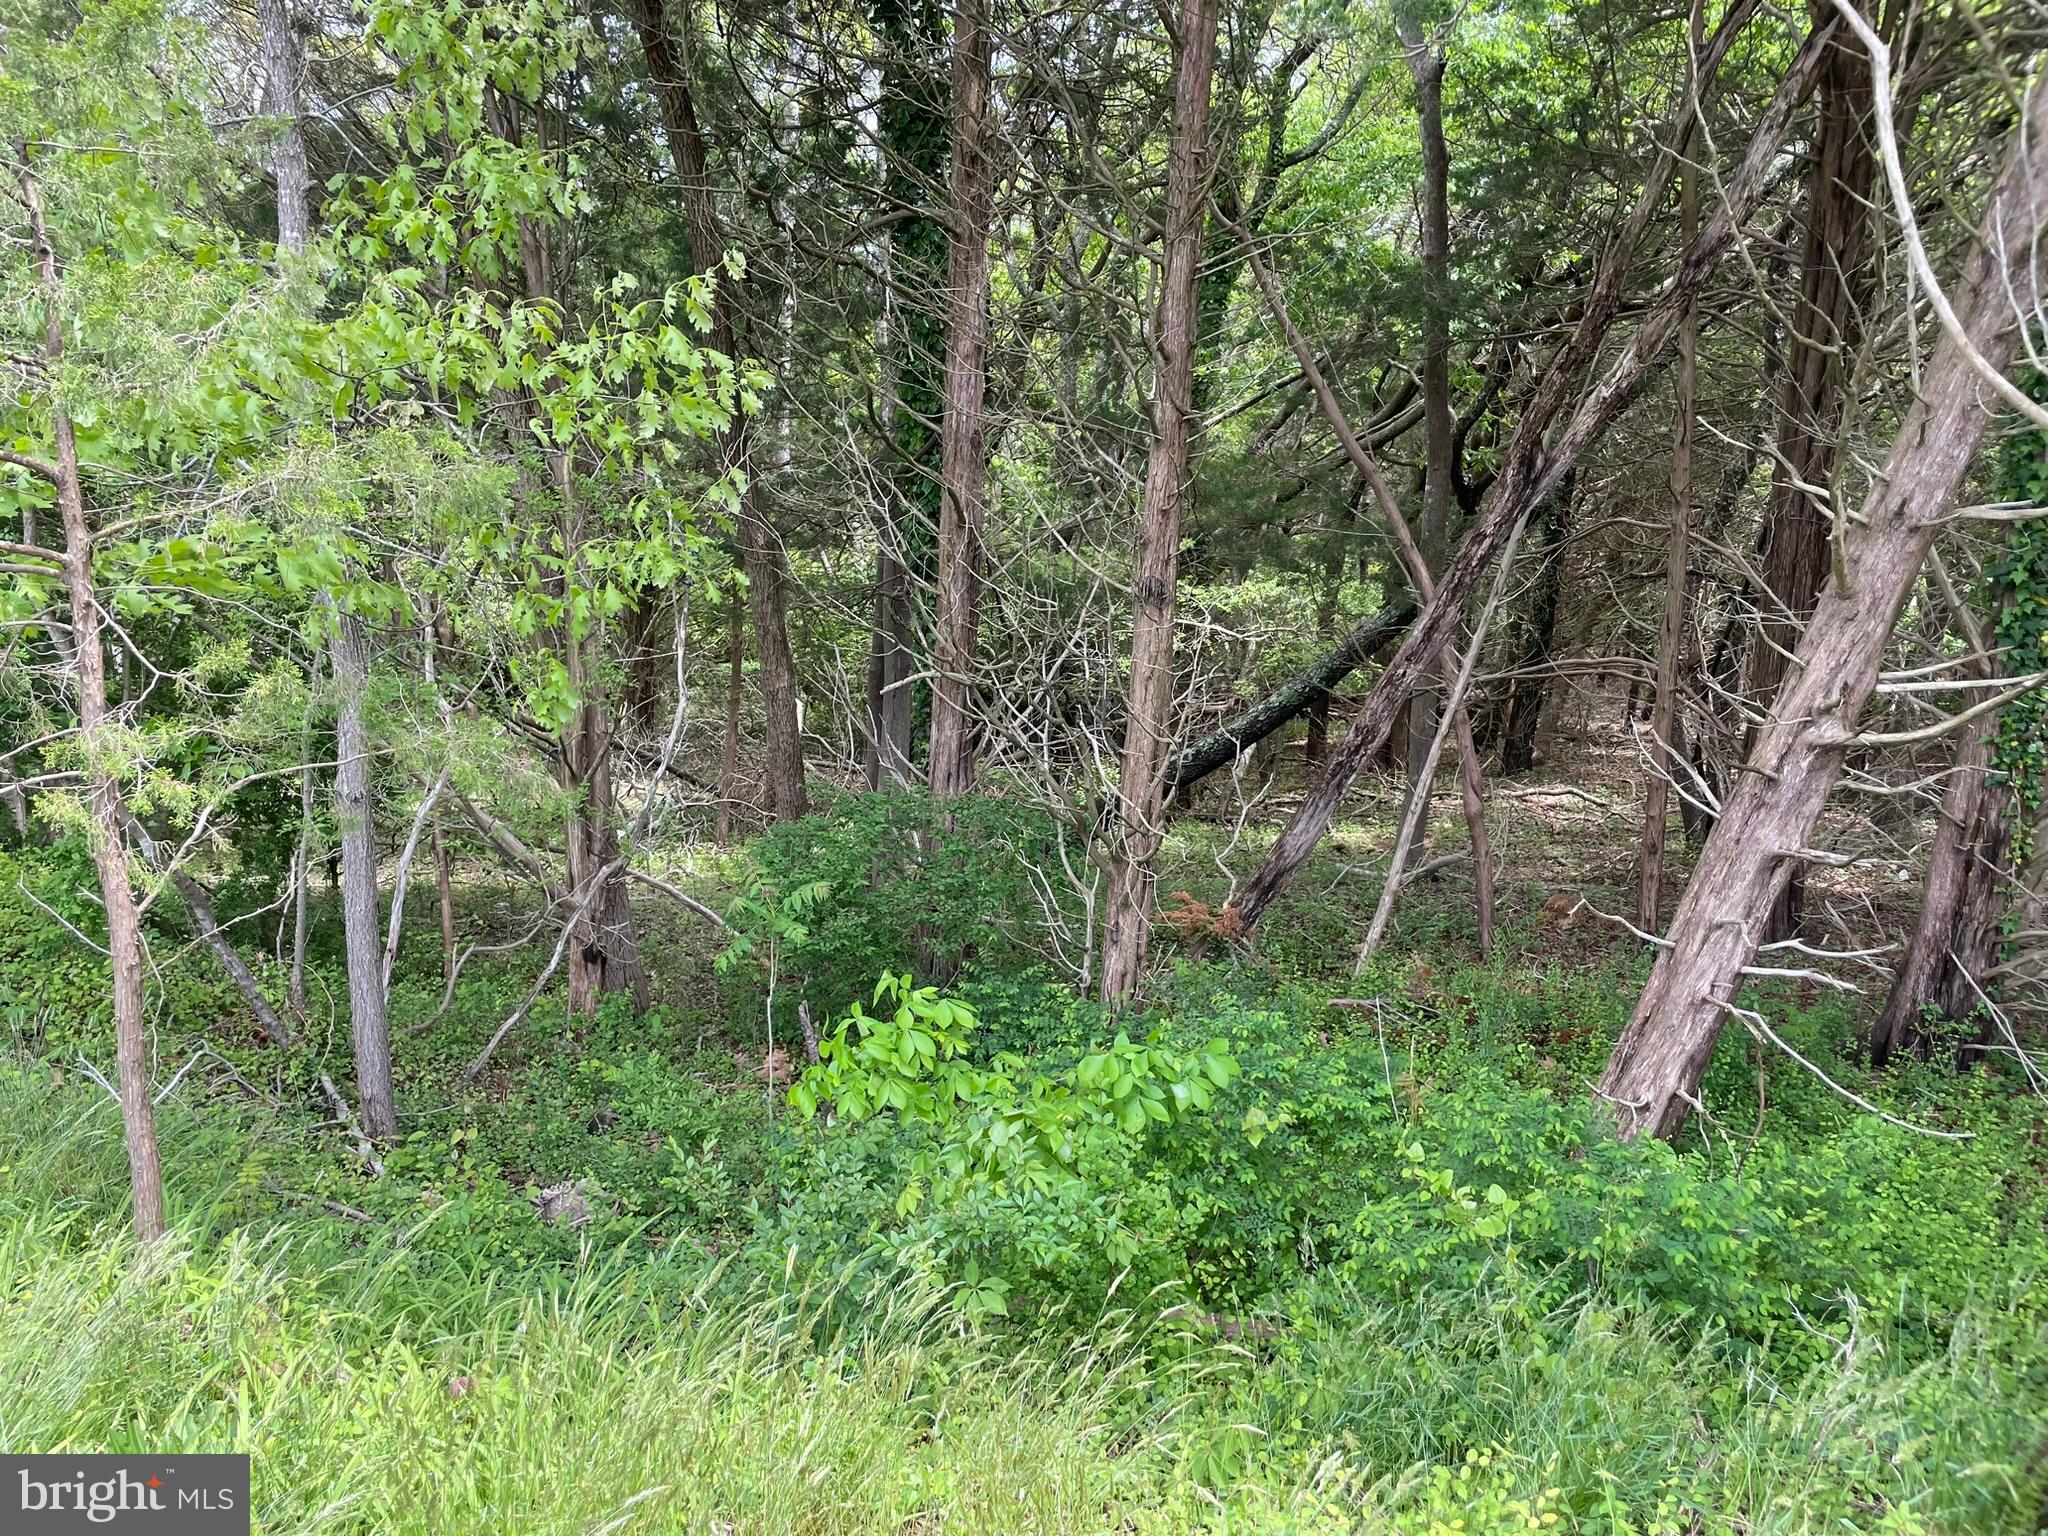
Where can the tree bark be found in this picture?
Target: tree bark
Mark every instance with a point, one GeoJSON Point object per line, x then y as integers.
{"type": "Point", "coordinates": [1955, 937]}
{"type": "Point", "coordinates": [964, 470]}
{"type": "Point", "coordinates": [97, 729]}
{"type": "Point", "coordinates": [1534, 465]}
{"type": "Point", "coordinates": [760, 547]}
{"type": "Point", "coordinates": [1141, 787]}
{"type": "Point", "coordinates": [1655, 1070]}
{"type": "Point", "coordinates": [362, 929]}
{"type": "Point", "coordinates": [283, 61]}
{"type": "Point", "coordinates": [729, 752]}
{"type": "Point", "coordinates": [444, 893]}
{"type": "Point", "coordinates": [1426, 69]}
{"type": "Point", "coordinates": [1835, 284]}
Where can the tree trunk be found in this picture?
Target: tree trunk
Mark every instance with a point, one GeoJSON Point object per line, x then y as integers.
{"type": "Point", "coordinates": [362, 929]}
{"type": "Point", "coordinates": [1148, 725]}
{"type": "Point", "coordinates": [96, 727]}
{"type": "Point", "coordinates": [1835, 285]}
{"type": "Point", "coordinates": [890, 665]}
{"type": "Point", "coordinates": [965, 456]}
{"type": "Point", "coordinates": [729, 754]}
{"type": "Point", "coordinates": [1671, 625]}
{"type": "Point", "coordinates": [1426, 69]}
{"type": "Point", "coordinates": [1769, 815]}
{"type": "Point", "coordinates": [1529, 689]}
{"type": "Point", "coordinates": [1471, 775]}
{"type": "Point", "coordinates": [1955, 937]}
{"type": "Point", "coordinates": [283, 61]}
{"type": "Point", "coordinates": [1535, 463]}
{"type": "Point", "coordinates": [444, 892]}
{"type": "Point", "coordinates": [761, 553]}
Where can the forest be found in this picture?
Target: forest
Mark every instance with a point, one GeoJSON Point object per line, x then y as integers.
{"type": "Point", "coordinates": [1260, 767]}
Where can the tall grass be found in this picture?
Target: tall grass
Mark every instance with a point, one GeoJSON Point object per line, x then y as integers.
{"type": "Point", "coordinates": [383, 1390]}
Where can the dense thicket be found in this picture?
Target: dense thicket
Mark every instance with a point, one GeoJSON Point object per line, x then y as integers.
{"type": "Point", "coordinates": [1061, 656]}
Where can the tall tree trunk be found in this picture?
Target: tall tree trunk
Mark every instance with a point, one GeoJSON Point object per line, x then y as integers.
{"type": "Point", "coordinates": [1655, 1070]}
{"type": "Point", "coordinates": [362, 929]}
{"type": "Point", "coordinates": [1535, 462]}
{"type": "Point", "coordinates": [604, 952]}
{"type": "Point", "coordinates": [965, 455]}
{"type": "Point", "coordinates": [1836, 278]}
{"type": "Point", "coordinates": [96, 728]}
{"type": "Point", "coordinates": [1955, 937]}
{"type": "Point", "coordinates": [1426, 69]}
{"type": "Point", "coordinates": [1148, 726]}
{"type": "Point", "coordinates": [1671, 624]}
{"type": "Point", "coordinates": [760, 547]}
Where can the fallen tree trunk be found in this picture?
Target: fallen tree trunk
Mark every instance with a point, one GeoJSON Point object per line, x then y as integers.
{"type": "Point", "coordinates": [1296, 696]}
{"type": "Point", "coordinates": [1653, 1077]}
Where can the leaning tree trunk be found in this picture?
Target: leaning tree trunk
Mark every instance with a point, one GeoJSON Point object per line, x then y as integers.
{"type": "Point", "coordinates": [1955, 937]}
{"type": "Point", "coordinates": [1654, 1074]}
{"type": "Point", "coordinates": [761, 553]}
{"type": "Point", "coordinates": [965, 456]}
{"type": "Point", "coordinates": [1836, 278]}
{"type": "Point", "coordinates": [96, 730]}
{"type": "Point", "coordinates": [1141, 801]}
{"type": "Point", "coordinates": [1535, 463]}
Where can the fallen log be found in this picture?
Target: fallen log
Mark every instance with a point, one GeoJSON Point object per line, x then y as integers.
{"type": "Point", "coordinates": [1201, 758]}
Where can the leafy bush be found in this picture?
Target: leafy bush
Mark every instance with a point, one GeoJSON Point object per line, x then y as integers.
{"type": "Point", "coordinates": [941, 891]}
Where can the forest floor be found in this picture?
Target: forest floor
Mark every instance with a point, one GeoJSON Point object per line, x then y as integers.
{"type": "Point", "coordinates": [1384, 1273]}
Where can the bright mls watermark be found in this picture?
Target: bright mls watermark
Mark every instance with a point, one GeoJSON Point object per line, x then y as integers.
{"type": "Point", "coordinates": [145, 1495]}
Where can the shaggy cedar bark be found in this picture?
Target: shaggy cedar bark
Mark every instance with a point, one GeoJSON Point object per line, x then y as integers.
{"type": "Point", "coordinates": [1955, 937]}
{"type": "Point", "coordinates": [1655, 1070]}
{"type": "Point", "coordinates": [1141, 788]}
{"type": "Point", "coordinates": [1535, 463]}
{"type": "Point", "coordinates": [964, 460]}
{"type": "Point", "coordinates": [1836, 277]}
{"type": "Point", "coordinates": [761, 554]}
